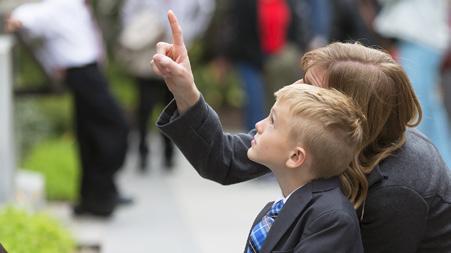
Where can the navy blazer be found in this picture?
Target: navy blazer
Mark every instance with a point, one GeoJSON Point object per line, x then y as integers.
{"type": "Point", "coordinates": [316, 218]}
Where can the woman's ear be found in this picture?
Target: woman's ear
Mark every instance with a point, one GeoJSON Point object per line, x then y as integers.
{"type": "Point", "coordinates": [297, 158]}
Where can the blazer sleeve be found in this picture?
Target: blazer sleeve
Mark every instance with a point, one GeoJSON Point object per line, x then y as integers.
{"type": "Point", "coordinates": [216, 155]}
{"type": "Point", "coordinates": [334, 231]}
{"type": "Point", "coordinates": [394, 220]}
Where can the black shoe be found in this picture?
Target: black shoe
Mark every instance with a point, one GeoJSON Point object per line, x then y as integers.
{"type": "Point", "coordinates": [83, 210]}
{"type": "Point", "coordinates": [168, 163]}
{"type": "Point", "coordinates": [143, 166]}
{"type": "Point", "coordinates": [124, 201]}
{"type": "Point", "coordinates": [143, 152]}
{"type": "Point", "coordinates": [168, 153]}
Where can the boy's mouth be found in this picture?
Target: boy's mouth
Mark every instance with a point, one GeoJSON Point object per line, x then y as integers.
{"type": "Point", "coordinates": [254, 140]}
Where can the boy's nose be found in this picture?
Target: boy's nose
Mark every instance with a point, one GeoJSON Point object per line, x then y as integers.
{"type": "Point", "coordinates": [259, 126]}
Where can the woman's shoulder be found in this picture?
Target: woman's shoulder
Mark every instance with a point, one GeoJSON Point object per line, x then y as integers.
{"type": "Point", "coordinates": [417, 166]}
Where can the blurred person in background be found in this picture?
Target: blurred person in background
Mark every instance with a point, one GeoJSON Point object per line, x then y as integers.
{"type": "Point", "coordinates": [314, 24]}
{"type": "Point", "coordinates": [446, 71]}
{"type": "Point", "coordinates": [265, 49]}
{"type": "Point", "coordinates": [348, 23]}
{"type": "Point", "coordinates": [421, 30]}
{"type": "Point", "coordinates": [253, 31]}
{"type": "Point", "coordinates": [325, 21]}
{"type": "Point", "coordinates": [314, 19]}
{"type": "Point", "coordinates": [71, 49]}
{"type": "Point", "coordinates": [143, 25]}
{"type": "Point", "coordinates": [446, 82]}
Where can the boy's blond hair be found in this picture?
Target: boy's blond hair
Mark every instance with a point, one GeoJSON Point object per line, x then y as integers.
{"type": "Point", "coordinates": [327, 123]}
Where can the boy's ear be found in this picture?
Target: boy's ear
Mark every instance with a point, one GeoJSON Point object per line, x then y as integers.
{"type": "Point", "coordinates": [297, 158]}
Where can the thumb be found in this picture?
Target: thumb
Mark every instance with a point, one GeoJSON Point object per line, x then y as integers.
{"type": "Point", "coordinates": [165, 65]}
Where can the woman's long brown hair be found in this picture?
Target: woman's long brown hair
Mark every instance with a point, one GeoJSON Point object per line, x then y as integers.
{"type": "Point", "coordinates": [382, 89]}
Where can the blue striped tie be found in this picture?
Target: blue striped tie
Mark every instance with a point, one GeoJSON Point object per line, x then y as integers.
{"type": "Point", "coordinates": [261, 229]}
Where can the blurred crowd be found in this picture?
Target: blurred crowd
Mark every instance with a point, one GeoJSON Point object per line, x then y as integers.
{"type": "Point", "coordinates": [261, 40]}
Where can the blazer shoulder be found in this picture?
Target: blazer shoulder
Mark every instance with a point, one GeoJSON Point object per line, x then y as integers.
{"type": "Point", "coordinates": [343, 223]}
{"type": "Point", "coordinates": [334, 217]}
{"type": "Point", "coordinates": [332, 200]}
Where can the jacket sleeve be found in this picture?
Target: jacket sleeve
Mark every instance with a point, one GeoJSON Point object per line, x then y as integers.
{"type": "Point", "coordinates": [394, 220]}
{"type": "Point", "coordinates": [216, 155]}
{"type": "Point", "coordinates": [334, 231]}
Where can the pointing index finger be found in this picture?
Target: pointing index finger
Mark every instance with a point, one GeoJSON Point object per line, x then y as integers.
{"type": "Point", "coordinates": [177, 36]}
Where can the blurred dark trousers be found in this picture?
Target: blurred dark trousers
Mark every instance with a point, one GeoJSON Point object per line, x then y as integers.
{"type": "Point", "coordinates": [253, 85]}
{"type": "Point", "coordinates": [151, 91]}
{"type": "Point", "coordinates": [101, 132]}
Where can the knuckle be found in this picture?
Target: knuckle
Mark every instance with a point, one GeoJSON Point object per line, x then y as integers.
{"type": "Point", "coordinates": [160, 44]}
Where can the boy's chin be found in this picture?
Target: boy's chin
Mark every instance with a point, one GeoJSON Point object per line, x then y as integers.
{"type": "Point", "coordinates": [251, 155]}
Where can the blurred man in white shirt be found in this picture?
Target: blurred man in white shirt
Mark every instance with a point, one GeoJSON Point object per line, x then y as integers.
{"type": "Point", "coordinates": [70, 49]}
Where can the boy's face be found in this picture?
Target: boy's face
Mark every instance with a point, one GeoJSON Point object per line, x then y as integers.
{"type": "Point", "coordinates": [272, 144]}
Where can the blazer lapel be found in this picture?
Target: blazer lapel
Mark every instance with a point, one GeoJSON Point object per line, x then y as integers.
{"type": "Point", "coordinates": [262, 213]}
{"type": "Point", "coordinates": [291, 210]}
{"type": "Point", "coordinates": [294, 206]}
{"type": "Point", "coordinates": [257, 219]}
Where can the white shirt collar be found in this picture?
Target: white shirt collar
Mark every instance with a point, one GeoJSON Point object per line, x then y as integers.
{"type": "Point", "coordinates": [289, 195]}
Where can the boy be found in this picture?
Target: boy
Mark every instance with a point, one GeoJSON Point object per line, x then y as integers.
{"type": "Point", "coordinates": [309, 138]}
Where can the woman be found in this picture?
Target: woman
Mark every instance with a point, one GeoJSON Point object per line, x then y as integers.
{"type": "Point", "coordinates": [408, 204]}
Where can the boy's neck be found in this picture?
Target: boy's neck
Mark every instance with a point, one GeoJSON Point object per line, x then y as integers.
{"type": "Point", "coordinates": [290, 181]}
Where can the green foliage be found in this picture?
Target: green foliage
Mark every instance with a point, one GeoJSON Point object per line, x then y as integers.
{"type": "Point", "coordinates": [27, 73]}
{"type": "Point", "coordinates": [122, 85]}
{"type": "Point", "coordinates": [56, 159]}
{"type": "Point", "coordinates": [22, 232]}
{"type": "Point", "coordinates": [40, 118]}
{"type": "Point", "coordinates": [58, 111]}
{"type": "Point", "coordinates": [218, 93]}
{"type": "Point", "coordinates": [31, 125]}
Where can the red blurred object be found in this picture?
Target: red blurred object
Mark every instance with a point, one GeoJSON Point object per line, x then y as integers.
{"type": "Point", "coordinates": [273, 18]}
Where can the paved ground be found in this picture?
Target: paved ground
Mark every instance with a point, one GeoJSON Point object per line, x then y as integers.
{"type": "Point", "coordinates": [174, 212]}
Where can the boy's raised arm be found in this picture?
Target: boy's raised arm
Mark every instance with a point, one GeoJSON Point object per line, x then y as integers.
{"type": "Point", "coordinates": [198, 133]}
{"type": "Point", "coordinates": [172, 63]}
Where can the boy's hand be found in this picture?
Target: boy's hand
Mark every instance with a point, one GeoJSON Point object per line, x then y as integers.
{"type": "Point", "coordinates": [172, 63]}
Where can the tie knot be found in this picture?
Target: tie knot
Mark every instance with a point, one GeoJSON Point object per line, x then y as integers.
{"type": "Point", "coordinates": [276, 207]}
